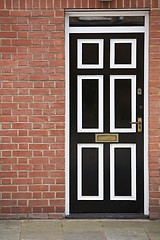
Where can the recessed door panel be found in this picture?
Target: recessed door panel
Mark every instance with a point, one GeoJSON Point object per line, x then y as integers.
{"type": "Point", "coordinates": [123, 172]}
{"type": "Point", "coordinates": [89, 169]}
{"type": "Point", "coordinates": [90, 103]}
{"type": "Point", "coordinates": [89, 53]}
{"type": "Point", "coordinates": [123, 53]}
{"type": "Point", "coordinates": [123, 103]}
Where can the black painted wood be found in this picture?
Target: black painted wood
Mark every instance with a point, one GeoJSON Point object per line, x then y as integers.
{"type": "Point", "coordinates": [122, 103]}
{"type": "Point", "coordinates": [88, 50]}
{"type": "Point", "coordinates": [105, 206]}
{"type": "Point", "coordinates": [90, 172]}
{"type": "Point", "coordinates": [107, 216]}
{"type": "Point", "coordinates": [122, 172]}
{"type": "Point", "coordinates": [90, 103]}
{"type": "Point", "coordinates": [123, 53]}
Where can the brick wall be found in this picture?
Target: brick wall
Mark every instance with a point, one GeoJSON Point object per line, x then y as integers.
{"type": "Point", "coordinates": [154, 111]}
{"type": "Point", "coordinates": [32, 106]}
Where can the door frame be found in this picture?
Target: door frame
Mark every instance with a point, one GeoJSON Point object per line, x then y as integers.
{"type": "Point", "coordinates": [68, 30]}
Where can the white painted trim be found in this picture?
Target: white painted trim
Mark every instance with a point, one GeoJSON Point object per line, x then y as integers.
{"type": "Point", "coordinates": [81, 78]}
{"type": "Point", "coordinates": [133, 172]}
{"type": "Point", "coordinates": [114, 78]}
{"type": "Point", "coordinates": [80, 53]}
{"type": "Point", "coordinates": [67, 119]}
{"type": "Point", "coordinates": [100, 172]}
{"type": "Point", "coordinates": [146, 80]}
{"type": "Point", "coordinates": [133, 53]}
{"type": "Point", "coordinates": [106, 29]}
{"type": "Point", "coordinates": [145, 29]}
{"type": "Point", "coordinates": [108, 12]}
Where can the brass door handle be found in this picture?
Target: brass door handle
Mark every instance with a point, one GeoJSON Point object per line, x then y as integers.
{"type": "Point", "coordinates": [139, 123]}
{"type": "Point", "coordinates": [135, 123]}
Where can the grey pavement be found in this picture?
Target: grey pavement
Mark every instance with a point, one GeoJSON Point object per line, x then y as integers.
{"type": "Point", "coordinates": [79, 230]}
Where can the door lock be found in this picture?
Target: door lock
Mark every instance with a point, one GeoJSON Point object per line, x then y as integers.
{"type": "Point", "coordinates": [139, 124]}
{"type": "Point", "coordinates": [139, 91]}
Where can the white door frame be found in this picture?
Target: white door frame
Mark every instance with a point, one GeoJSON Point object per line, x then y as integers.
{"type": "Point", "coordinates": [145, 30]}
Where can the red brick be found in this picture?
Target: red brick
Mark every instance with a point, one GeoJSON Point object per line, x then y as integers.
{"type": "Point", "coordinates": [155, 4]}
{"type": "Point", "coordinates": [25, 195]}
{"type": "Point", "coordinates": [8, 203]}
{"type": "Point", "coordinates": [38, 188]}
{"type": "Point", "coordinates": [21, 181]}
{"type": "Point", "coordinates": [60, 195]}
{"type": "Point", "coordinates": [8, 146]}
{"type": "Point", "coordinates": [20, 153]}
{"type": "Point", "coordinates": [49, 4]}
{"type": "Point", "coordinates": [155, 194]}
{"type": "Point", "coordinates": [154, 188]}
{"type": "Point", "coordinates": [56, 215]}
{"type": "Point", "coordinates": [60, 181]}
{"type": "Point", "coordinates": [6, 209]}
{"type": "Point", "coordinates": [8, 4]}
{"type": "Point", "coordinates": [6, 195]}
{"type": "Point", "coordinates": [43, 4]}
{"type": "Point", "coordinates": [21, 140]}
{"type": "Point", "coordinates": [48, 13]}
{"type": "Point", "coordinates": [6, 56]}
{"type": "Point", "coordinates": [48, 209]}
{"type": "Point", "coordinates": [22, 4]}
{"type": "Point", "coordinates": [8, 20]}
{"type": "Point", "coordinates": [8, 188]}
{"type": "Point", "coordinates": [8, 118]}
{"type": "Point", "coordinates": [8, 105]}
{"type": "Point", "coordinates": [6, 139]}
{"type": "Point", "coordinates": [8, 34]}
{"type": "Point", "coordinates": [6, 167]}
{"type": "Point", "coordinates": [6, 153]}
{"type": "Point", "coordinates": [37, 167]}
{"type": "Point", "coordinates": [38, 146]}
{"type": "Point", "coordinates": [57, 202]}
{"type": "Point", "coordinates": [38, 174]}
{"type": "Point", "coordinates": [22, 99]}
{"type": "Point", "coordinates": [6, 41]}
{"type": "Point", "coordinates": [8, 91]}
{"type": "Point", "coordinates": [154, 180]}
{"type": "Point", "coordinates": [21, 13]}
{"type": "Point", "coordinates": [35, 203]}
{"type": "Point", "coordinates": [39, 35]}
{"type": "Point", "coordinates": [60, 209]}
{"type": "Point", "coordinates": [22, 174]}
{"type": "Point", "coordinates": [37, 153]}
{"type": "Point", "coordinates": [100, 4]}
{"type": "Point", "coordinates": [49, 195]}
{"type": "Point", "coordinates": [21, 126]}
{"type": "Point", "coordinates": [37, 209]}
{"type": "Point", "coordinates": [7, 49]}
{"type": "Point", "coordinates": [24, 167]}
{"type": "Point", "coordinates": [22, 160]}
{"type": "Point", "coordinates": [6, 181]}
{"type": "Point", "coordinates": [2, 5]}
{"type": "Point", "coordinates": [36, 4]}
{"type": "Point", "coordinates": [15, 4]}
{"type": "Point", "coordinates": [22, 132]}
{"type": "Point", "coordinates": [38, 77]}
{"type": "Point", "coordinates": [22, 189]}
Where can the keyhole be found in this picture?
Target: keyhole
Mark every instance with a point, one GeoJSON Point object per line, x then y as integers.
{"type": "Point", "coordinates": [139, 91]}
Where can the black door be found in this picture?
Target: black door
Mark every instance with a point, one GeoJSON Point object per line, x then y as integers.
{"type": "Point", "coordinates": [106, 123]}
